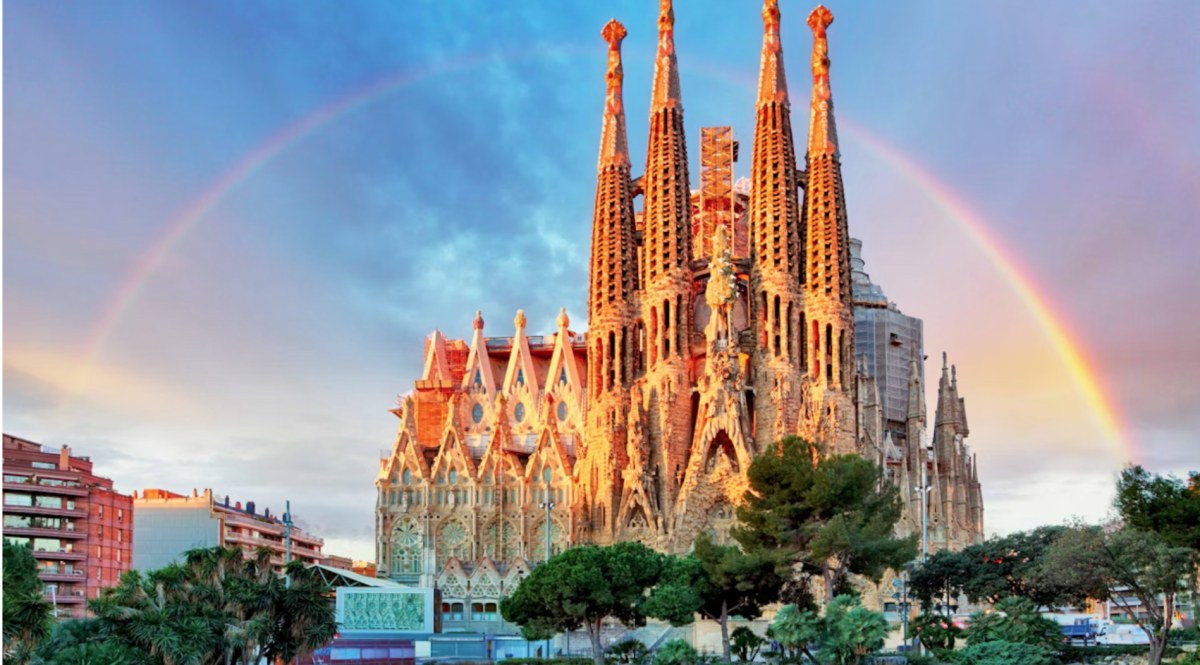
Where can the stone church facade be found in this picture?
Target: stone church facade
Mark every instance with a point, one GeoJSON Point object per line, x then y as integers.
{"type": "Point", "coordinates": [705, 343]}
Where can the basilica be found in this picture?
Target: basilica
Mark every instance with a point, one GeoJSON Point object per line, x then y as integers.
{"type": "Point", "coordinates": [720, 320]}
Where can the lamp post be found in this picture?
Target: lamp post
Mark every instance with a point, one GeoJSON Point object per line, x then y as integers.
{"type": "Point", "coordinates": [287, 556]}
{"type": "Point", "coordinates": [547, 504]}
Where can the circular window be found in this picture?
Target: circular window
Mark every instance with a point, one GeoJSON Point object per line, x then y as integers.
{"type": "Point", "coordinates": [477, 413]}
{"type": "Point", "coordinates": [562, 410]}
{"type": "Point", "coordinates": [519, 412]}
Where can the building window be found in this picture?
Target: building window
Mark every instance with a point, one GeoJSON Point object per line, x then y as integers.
{"type": "Point", "coordinates": [44, 465]}
{"type": "Point", "coordinates": [407, 476]}
{"type": "Point", "coordinates": [118, 555]}
{"type": "Point", "coordinates": [100, 531]}
{"type": "Point", "coordinates": [453, 476]}
{"type": "Point", "coordinates": [120, 515]}
{"type": "Point", "coordinates": [11, 499]}
{"type": "Point", "coordinates": [100, 509]}
{"type": "Point", "coordinates": [48, 502]}
{"type": "Point", "coordinates": [120, 538]}
{"type": "Point", "coordinates": [98, 553]}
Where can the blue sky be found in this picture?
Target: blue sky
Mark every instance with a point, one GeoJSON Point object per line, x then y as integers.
{"type": "Point", "coordinates": [260, 357]}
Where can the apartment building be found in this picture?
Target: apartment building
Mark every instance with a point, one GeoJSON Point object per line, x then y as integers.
{"type": "Point", "coordinates": [80, 528]}
{"type": "Point", "coordinates": [168, 524]}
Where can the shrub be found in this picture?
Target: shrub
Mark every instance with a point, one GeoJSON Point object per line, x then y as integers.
{"type": "Point", "coordinates": [934, 630]}
{"type": "Point", "coordinates": [746, 643]}
{"type": "Point", "coordinates": [676, 652]}
{"type": "Point", "coordinates": [852, 632]}
{"type": "Point", "coordinates": [1005, 653]}
{"type": "Point", "coordinates": [1015, 620]}
{"type": "Point", "coordinates": [628, 652]}
{"type": "Point", "coordinates": [1103, 652]}
{"type": "Point", "coordinates": [547, 661]}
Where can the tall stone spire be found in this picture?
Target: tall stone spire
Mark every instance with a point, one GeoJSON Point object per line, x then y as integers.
{"type": "Point", "coordinates": [666, 299]}
{"type": "Point", "coordinates": [775, 226]}
{"type": "Point", "coordinates": [611, 298]}
{"type": "Point", "coordinates": [613, 251]}
{"type": "Point", "coordinates": [828, 298]}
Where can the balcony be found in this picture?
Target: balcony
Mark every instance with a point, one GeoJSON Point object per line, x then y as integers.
{"type": "Point", "coordinates": [43, 532]}
{"type": "Point", "coordinates": [44, 510]}
{"type": "Point", "coordinates": [61, 576]}
{"type": "Point", "coordinates": [60, 555]}
{"type": "Point", "coordinates": [39, 488]}
{"type": "Point", "coordinates": [70, 596]}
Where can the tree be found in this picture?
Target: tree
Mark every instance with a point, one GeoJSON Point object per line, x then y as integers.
{"type": "Point", "coordinates": [846, 635]}
{"type": "Point", "coordinates": [851, 632]}
{"type": "Point", "coordinates": [746, 643]}
{"type": "Point", "coordinates": [215, 608]}
{"type": "Point", "coordinates": [1164, 505]}
{"type": "Point", "coordinates": [1129, 562]}
{"type": "Point", "coordinates": [628, 652]}
{"type": "Point", "coordinates": [719, 581]}
{"type": "Point", "coordinates": [1017, 620]}
{"type": "Point", "coordinates": [583, 586]}
{"type": "Point", "coordinates": [831, 514]}
{"type": "Point", "coordinates": [795, 629]}
{"type": "Point", "coordinates": [935, 631]}
{"type": "Point", "coordinates": [941, 577]}
{"type": "Point", "coordinates": [27, 618]}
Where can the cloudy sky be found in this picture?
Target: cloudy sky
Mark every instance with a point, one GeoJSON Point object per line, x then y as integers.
{"type": "Point", "coordinates": [228, 225]}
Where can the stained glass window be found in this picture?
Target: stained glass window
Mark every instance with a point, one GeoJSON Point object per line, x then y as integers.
{"type": "Point", "coordinates": [406, 547]}
{"type": "Point", "coordinates": [519, 412]}
{"type": "Point", "coordinates": [477, 413]}
{"type": "Point", "coordinates": [562, 410]}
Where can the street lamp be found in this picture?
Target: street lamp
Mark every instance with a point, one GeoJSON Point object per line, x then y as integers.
{"type": "Point", "coordinates": [547, 475]}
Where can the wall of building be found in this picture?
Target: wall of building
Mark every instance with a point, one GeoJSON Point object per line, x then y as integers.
{"type": "Point", "coordinates": [166, 528]}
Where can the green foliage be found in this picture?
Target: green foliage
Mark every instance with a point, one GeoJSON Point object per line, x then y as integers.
{"type": "Point", "coordinates": [628, 652]}
{"type": "Point", "coordinates": [1140, 562]}
{"type": "Point", "coordinates": [846, 635]}
{"type": "Point", "coordinates": [1005, 653]}
{"type": "Point", "coordinates": [676, 652]}
{"type": "Point", "coordinates": [1014, 620]}
{"type": "Point", "coordinates": [1164, 505]}
{"type": "Point", "coordinates": [934, 630]}
{"type": "Point", "coordinates": [582, 587]}
{"type": "Point", "coordinates": [1100, 653]}
{"type": "Point", "coordinates": [746, 643]}
{"type": "Point", "coordinates": [541, 661]}
{"type": "Point", "coordinates": [833, 515]}
{"type": "Point", "coordinates": [1186, 634]}
{"type": "Point", "coordinates": [719, 581]}
{"type": "Point", "coordinates": [942, 575]}
{"type": "Point", "coordinates": [794, 629]}
{"type": "Point", "coordinates": [851, 632]}
{"type": "Point", "coordinates": [215, 608]}
{"type": "Point", "coordinates": [27, 618]}
{"type": "Point", "coordinates": [1001, 567]}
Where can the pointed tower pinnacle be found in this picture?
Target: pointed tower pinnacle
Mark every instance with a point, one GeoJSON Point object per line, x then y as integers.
{"type": "Point", "coordinates": [916, 390]}
{"type": "Point", "coordinates": [772, 82]}
{"type": "Point", "coordinates": [822, 133]}
{"type": "Point", "coordinates": [666, 69]}
{"type": "Point", "coordinates": [614, 146]}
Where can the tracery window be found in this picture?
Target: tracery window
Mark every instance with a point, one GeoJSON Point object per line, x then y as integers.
{"type": "Point", "coordinates": [407, 476]}
{"type": "Point", "coordinates": [537, 545]}
{"type": "Point", "coordinates": [500, 541]}
{"type": "Point", "coordinates": [454, 542]}
{"type": "Point", "coordinates": [453, 476]}
{"type": "Point", "coordinates": [406, 546]}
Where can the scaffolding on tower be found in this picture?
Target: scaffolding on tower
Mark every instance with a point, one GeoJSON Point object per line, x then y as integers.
{"type": "Point", "coordinates": [718, 202]}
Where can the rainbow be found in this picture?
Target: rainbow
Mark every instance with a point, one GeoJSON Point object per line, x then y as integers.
{"type": "Point", "coordinates": [973, 224]}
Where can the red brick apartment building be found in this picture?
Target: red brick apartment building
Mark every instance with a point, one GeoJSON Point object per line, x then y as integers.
{"type": "Point", "coordinates": [81, 529]}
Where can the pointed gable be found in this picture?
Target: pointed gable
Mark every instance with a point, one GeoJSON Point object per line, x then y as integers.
{"type": "Point", "coordinates": [479, 374]}
{"type": "Point", "coordinates": [521, 367]}
{"type": "Point", "coordinates": [453, 454]}
{"type": "Point", "coordinates": [549, 450]}
{"type": "Point", "coordinates": [437, 366]}
{"type": "Point", "coordinates": [564, 371]}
